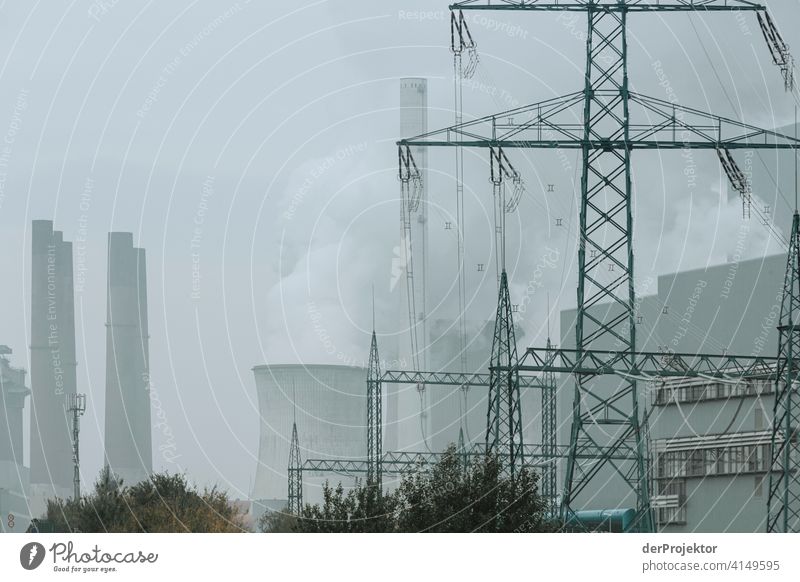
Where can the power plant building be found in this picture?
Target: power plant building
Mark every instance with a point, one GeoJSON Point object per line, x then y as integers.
{"type": "Point", "coordinates": [708, 439]}
{"type": "Point", "coordinates": [53, 364]}
{"type": "Point", "coordinates": [128, 441]}
{"type": "Point", "coordinates": [329, 405]}
{"type": "Point", "coordinates": [14, 476]}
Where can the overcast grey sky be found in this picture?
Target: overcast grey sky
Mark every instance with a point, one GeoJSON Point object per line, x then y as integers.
{"type": "Point", "coordinates": [251, 144]}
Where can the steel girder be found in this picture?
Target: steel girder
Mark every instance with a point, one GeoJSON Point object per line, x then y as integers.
{"type": "Point", "coordinates": [295, 496]}
{"type": "Point", "coordinates": [610, 5]}
{"type": "Point", "coordinates": [783, 503]}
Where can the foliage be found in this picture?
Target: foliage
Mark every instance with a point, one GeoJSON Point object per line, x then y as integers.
{"type": "Point", "coordinates": [448, 497]}
{"type": "Point", "coordinates": [164, 503]}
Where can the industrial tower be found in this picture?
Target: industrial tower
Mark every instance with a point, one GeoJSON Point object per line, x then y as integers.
{"type": "Point", "coordinates": [783, 503]}
{"type": "Point", "coordinates": [374, 421]}
{"type": "Point", "coordinates": [76, 407]}
{"type": "Point", "coordinates": [607, 432]}
{"type": "Point", "coordinates": [504, 415]}
{"type": "Point", "coordinates": [295, 475]}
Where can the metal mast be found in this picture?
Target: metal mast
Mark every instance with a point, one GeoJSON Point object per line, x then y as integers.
{"type": "Point", "coordinates": [374, 420]}
{"type": "Point", "coordinates": [783, 503]}
{"type": "Point", "coordinates": [76, 406]}
{"type": "Point", "coordinates": [549, 449]}
{"type": "Point", "coordinates": [504, 417]}
{"type": "Point", "coordinates": [295, 474]}
{"type": "Point", "coordinates": [607, 433]}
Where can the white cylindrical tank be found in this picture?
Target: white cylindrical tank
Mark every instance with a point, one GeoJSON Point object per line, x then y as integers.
{"type": "Point", "coordinates": [330, 406]}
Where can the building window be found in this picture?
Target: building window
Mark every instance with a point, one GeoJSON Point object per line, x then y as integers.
{"type": "Point", "coordinates": [686, 391]}
{"type": "Point", "coordinates": [671, 515]}
{"type": "Point", "coordinates": [731, 460]}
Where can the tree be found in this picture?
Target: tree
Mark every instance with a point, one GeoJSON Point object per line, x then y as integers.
{"type": "Point", "coordinates": [164, 503]}
{"type": "Point", "coordinates": [447, 497]}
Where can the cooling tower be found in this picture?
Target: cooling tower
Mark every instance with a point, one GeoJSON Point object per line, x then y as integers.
{"type": "Point", "coordinates": [330, 405]}
{"type": "Point", "coordinates": [128, 448]}
{"type": "Point", "coordinates": [52, 364]}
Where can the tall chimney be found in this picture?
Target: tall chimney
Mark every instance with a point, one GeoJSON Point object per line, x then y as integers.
{"type": "Point", "coordinates": [53, 366]}
{"type": "Point", "coordinates": [128, 449]}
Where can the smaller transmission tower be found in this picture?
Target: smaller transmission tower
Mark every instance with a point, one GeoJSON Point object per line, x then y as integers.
{"type": "Point", "coordinates": [76, 406]}
{"type": "Point", "coordinates": [374, 420]}
{"type": "Point", "coordinates": [295, 474]}
{"type": "Point", "coordinates": [549, 453]}
{"type": "Point", "coordinates": [504, 416]}
{"type": "Point", "coordinates": [783, 503]}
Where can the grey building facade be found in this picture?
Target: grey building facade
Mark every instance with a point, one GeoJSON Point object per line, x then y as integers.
{"type": "Point", "coordinates": [14, 476]}
{"type": "Point", "coordinates": [708, 440]}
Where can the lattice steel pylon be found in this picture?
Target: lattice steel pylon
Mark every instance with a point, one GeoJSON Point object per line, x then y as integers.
{"type": "Point", "coordinates": [606, 433]}
{"type": "Point", "coordinates": [504, 414]}
{"type": "Point", "coordinates": [374, 417]}
{"type": "Point", "coordinates": [295, 475]}
{"type": "Point", "coordinates": [783, 503]}
{"type": "Point", "coordinates": [549, 448]}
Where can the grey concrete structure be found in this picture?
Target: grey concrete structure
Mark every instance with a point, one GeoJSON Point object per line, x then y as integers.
{"type": "Point", "coordinates": [53, 365]}
{"type": "Point", "coordinates": [128, 441]}
{"type": "Point", "coordinates": [330, 405]}
{"type": "Point", "coordinates": [14, 476]}
{"type": "Point", "coordinates": [708, 439]}
{"type": "Point", "coordinates": [405, 427]}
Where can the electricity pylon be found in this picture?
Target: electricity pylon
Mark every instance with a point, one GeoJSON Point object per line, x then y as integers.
{"type": "Point", "coordinates": [295, 475]}
{"type": "Point", "coordinates": [606, 424]}
{"type": "Point", "coordinates": [783, 503]}
{"type": "Point", "coordinates": [504, 416]}
{"type": "Point", "coordinates": [374, 421]}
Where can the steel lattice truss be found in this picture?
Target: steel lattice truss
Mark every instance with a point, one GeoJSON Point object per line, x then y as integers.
{"type": "Point", "coordinates": [295, 475]}
{"type": "Point", "coordinates": [450, 379]}
{"type": "Point", "coordinates": [783, 504]}
{"type": "Point", "coordinates": [504, 414]}
{"type": "Point", "coordinates": [609, 5]}
{"type": "Point", "coordinates": [606, 122]}
{"type": "Point", "coordinates": [647, 365]}
{"type": "Point", "coordinates": [549, 446]}
{"type": "Point", "coordinates": [374, 421]}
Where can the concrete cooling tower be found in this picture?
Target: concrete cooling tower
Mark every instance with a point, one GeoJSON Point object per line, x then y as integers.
{"type": "Point", "coordinates": [329, 403]}
{"type": "Point", "coordinates": [128, 447]}
{"type": "Point", "coordinates": [52, 364]}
